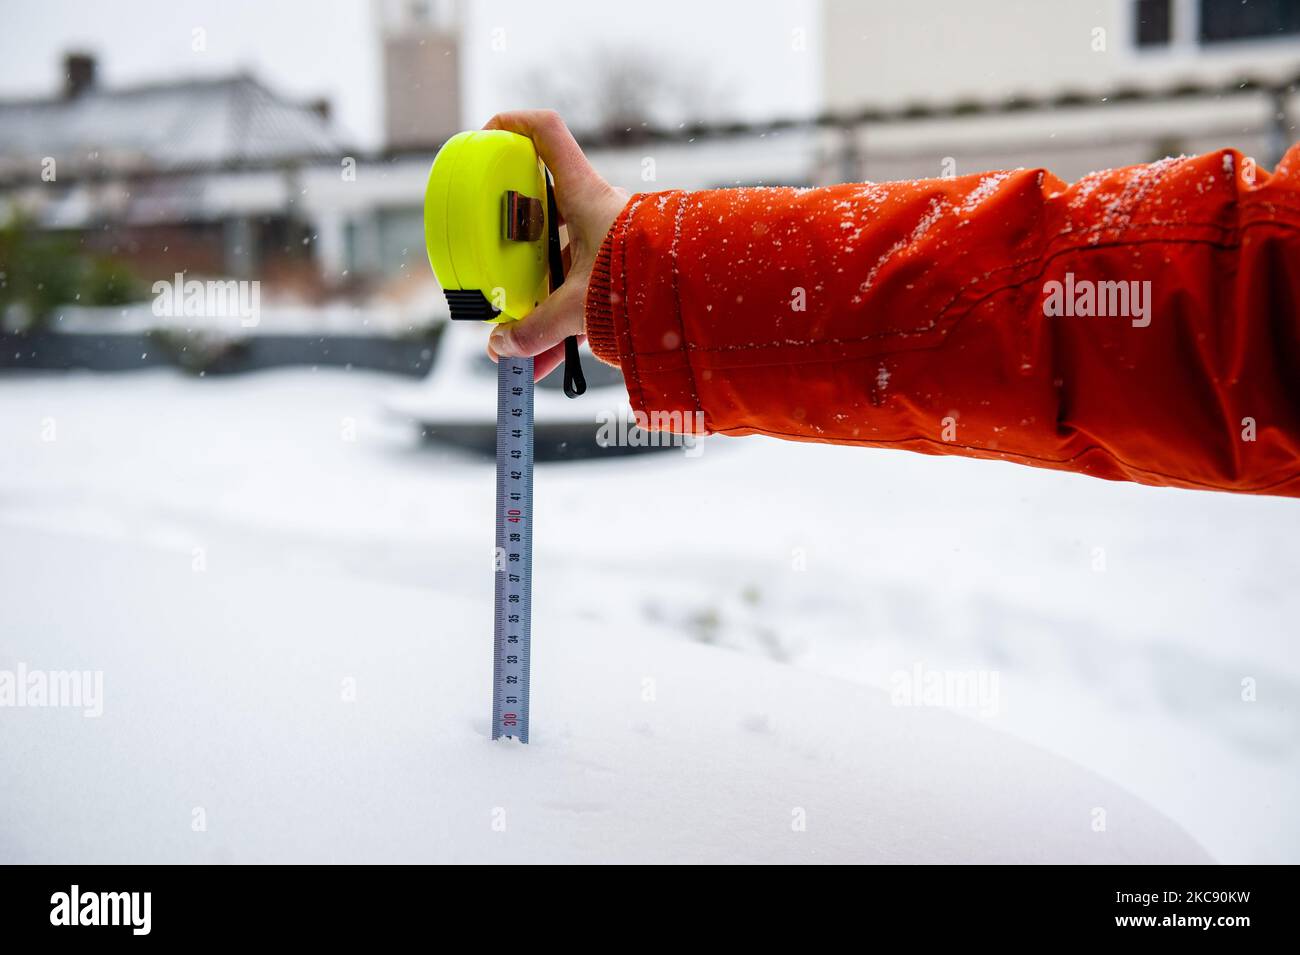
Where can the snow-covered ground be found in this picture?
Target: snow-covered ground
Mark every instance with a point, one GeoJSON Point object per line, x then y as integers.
{"type": "Point", "coordinates": [289, 598]}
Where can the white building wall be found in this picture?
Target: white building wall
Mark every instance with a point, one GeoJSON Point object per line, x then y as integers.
{"type": "Point", "coordinates": [886, 53]}
{"type": "Point", "coordinates": [943, 52]}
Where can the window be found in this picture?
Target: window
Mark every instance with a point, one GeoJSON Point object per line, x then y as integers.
{"type": "Point", "coordinates": [1226, 20]}
{"type": "Point", "coordinates": [1154, 26]}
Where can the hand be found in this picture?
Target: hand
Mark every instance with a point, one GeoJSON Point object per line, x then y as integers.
{"type": "Point", "coordinates": [588, 207]}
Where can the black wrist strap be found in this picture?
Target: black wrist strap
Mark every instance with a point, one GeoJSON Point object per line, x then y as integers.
{"type": "Point", "coordinates": [574, 382]}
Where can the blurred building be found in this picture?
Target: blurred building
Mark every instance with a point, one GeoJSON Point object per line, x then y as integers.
{"type": "Point", "coordinates": [194, 174]}
{"type": "Point", "coordinates": [372, 223]}
{"type": "Point", "coordinates": [421, 62]}
{"type": "Point", "coordinates": [225, 176]}
{"type": "Point", "coordinates": [1108, 53]}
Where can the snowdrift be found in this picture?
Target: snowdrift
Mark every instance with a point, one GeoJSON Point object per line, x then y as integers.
{"type": "Point", "coordinates": [256, 717]}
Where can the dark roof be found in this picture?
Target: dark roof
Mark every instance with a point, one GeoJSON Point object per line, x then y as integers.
{"type": "Point", "coordinates": [172, 126]}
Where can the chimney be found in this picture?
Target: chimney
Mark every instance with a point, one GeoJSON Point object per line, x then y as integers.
{"type": "Point", "coordinates": [78, 74]}
{"type": "Point", "coordinates": [321, 107]}
{"type": "Point", "coordinates": [421, 63]}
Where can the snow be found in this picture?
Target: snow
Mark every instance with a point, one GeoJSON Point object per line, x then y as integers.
{"type": "Point", "coordinates": [987, 187]}
{"type": "Point", "coordinates": [936, 210]}
{"type": "Point", "coordinates": [394, 319]}
{"type": "Point", "coordinates": [719, 641]}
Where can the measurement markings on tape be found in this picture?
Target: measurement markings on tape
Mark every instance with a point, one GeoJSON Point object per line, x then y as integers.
{"type": "Point", "coordinates": [512, 633]}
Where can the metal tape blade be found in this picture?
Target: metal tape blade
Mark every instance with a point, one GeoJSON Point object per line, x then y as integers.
{"type": "Point", "coordinates": [512, 636]}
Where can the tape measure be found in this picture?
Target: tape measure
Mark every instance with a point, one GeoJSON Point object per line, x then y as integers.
{"type": "Point", "coordinates": [492, 232]}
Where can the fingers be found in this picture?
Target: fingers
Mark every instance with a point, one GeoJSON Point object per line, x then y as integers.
{"type": "Point", "coordinates": [548, 361]}
{"type": "Point", "coordinates": [551, 359]}
{"type": "Point", "coordinates": [549, 324]}
{"type": "Point", "coordinates": [574, 175]}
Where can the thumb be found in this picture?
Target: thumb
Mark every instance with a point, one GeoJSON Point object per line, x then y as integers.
{"type": "Point", "coordinates": [550, 323]}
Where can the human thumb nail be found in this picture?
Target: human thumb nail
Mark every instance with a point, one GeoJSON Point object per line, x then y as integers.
{"type": "Point", "coordinates": [502, 342]}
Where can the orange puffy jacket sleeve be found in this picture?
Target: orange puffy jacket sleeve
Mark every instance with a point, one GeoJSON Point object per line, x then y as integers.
{"type": "Point", "coordinates": [1142, 324]}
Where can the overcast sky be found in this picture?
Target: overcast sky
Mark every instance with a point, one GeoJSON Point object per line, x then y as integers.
{"type": "Point", "coordinates": [308, 48]}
